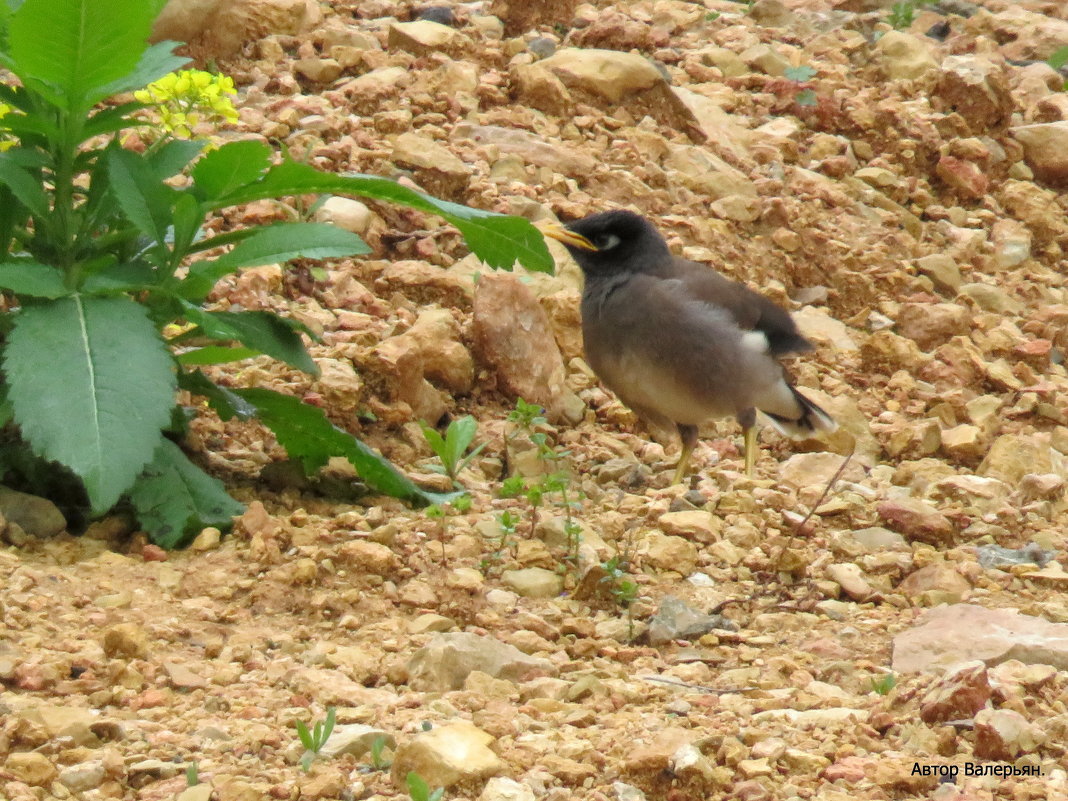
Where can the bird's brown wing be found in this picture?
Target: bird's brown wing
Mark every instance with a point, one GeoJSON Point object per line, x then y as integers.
{"type": "Point", "coordinates": [750, 310]}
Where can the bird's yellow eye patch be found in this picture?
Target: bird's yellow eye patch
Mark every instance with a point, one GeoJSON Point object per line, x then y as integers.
{"type": "Point", "coordinates": [555, 230]}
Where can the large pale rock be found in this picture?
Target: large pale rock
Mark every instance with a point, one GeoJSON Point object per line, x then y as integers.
{"type": "Point", "coordinates": [424, 36]}
{"type": "Point", "coordinates": [902, 55]}
{"type": "Point", "coordinates": [608, 74]}
{"type": "Point", "coordinates": [502, 789]}
{"type": "Point", "coordinates": [917, 520]}
{"type": "Point", "coordinates": [612, 78]}
{"type": "Point", "coordinates": [447, 755]}
{"type": "Point", "coordinates": [346, 213]}
{"type": "Point", "coordinates": [932, 324]}
{"type": "Point", "coordinates": [38, 517]}
{"type": "Point", "coordinates": [512, 334]}
{"type": "Point", "coordinates": [959, 694]}
{"type": "Point", "coordinates": [1005, 734]}
{"type": "Point", "coordinates": [817, 325]}
{"type": "Point", "coordinates": [948, 635]}
{"type": "Point", "coordinates": [1011, 456]}
{"type": "Point", "coordinates": [816, 469]}
{"type": "Point", "coordinates": [368, 92]}
{"type": "Point", "coordinates": [539, 88]}
{"type": "Point", "coordinates": [677, 620]}
{"type": "Point", "coordinates": [533, 582]}
{"type": "Point", "coordinates": [436, 168]}
{"type": "Point", "coordinates": [445, 662]}
{"type": "Point", "coordinates": [30, 767]}
{"type": "Point", "coordinates": [978, 90]}
{"type": "Point", "coordinates": [936, 583]}
{"type": "Point", "coordinates": [531, 148]}
{"type": "Point", "coordinates": [665, 552]}
{"type": "Point", "coordinates": [702, 171]}
{"type": "Point", "coordinates": [1046, 149]}
{"type": "Point", "coordinates": [446, 361]}
{"type": "Point", "coordinates": [214, 28]}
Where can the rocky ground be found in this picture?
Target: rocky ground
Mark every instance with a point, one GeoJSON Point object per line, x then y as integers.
{"type": "Point", "coordinates": [896, 189]}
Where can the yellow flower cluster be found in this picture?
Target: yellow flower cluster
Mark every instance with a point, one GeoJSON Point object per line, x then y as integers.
{"type": "Point", "coordinates": [6, 141]}
{"type": "Point", "coordinates": [188, 97]}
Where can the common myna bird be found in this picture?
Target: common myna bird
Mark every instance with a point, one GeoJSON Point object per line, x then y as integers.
{"type": "Point", "coordinates": [676, 341]}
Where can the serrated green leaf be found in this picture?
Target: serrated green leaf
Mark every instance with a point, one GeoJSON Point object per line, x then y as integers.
{"type": "Point", "coordinates": [806, 97]}
{"type": "Point", "coordinates": [155, 62]}
{"type": "Point", "coordinates": [172, 157]}
{"type": "Point", "coordinates": [215, 354]}
{"type": "Point", "coordinates": [78, 47]}
{"type": "Point", "coordinates": [174, 499]}
{"type": "Point", "coordinates": [230, 167]}
{"type": "Point", "coordinates": [107, 391]}
{"type": "Point", "coordinates": [308, 436]}
{"type": "Point", "coordinates": [225, 402]}
{"type": "Point", "coordinates": [800, 74]}
{"type": "Point", "coordinates": [32, 280]}
{"type": "Point", "coordinates": [274, 244]}
{"type": "Point", "coordinates": [262, 331]}
{"type": "Point", "coordinates": [1059, 57]}
{"type": "Point", "coordinates": [23, 185]}
{"type": "Point", "coordinates": [497, 239]}
{"type": "Point", "coordinates": [125, 277]}
{"type": "Point", "coordinates": [145, 201]}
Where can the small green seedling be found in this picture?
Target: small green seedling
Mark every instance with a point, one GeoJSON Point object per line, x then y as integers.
{"type": "Point", "coordinates": [903, 13]}
{"type": "Point", "coordinates": [378, 745]}
{"type": "Point", "coordinates": [419, 790]}
{"type": "Point", "coordinates": [451, 448]}
{"type": "Point", "coordinates": [439, 512]}
{"type": "Point", "coordinates": [623, 589]}
{"type": "Point", "coordinates": [192, 775]}
{"type": "Point", "coordinates": [314, 740]}
{"type": "Point", "coordinates": [884, 684]}
{"type": "Point", "coordinates": [800, 75]}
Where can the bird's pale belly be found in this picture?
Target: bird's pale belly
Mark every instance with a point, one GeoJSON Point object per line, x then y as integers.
{"type": "Point", "coordinates": [647, 387]}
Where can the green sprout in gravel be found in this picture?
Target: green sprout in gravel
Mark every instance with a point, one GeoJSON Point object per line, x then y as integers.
{"type": "Point", "coordinates": [378, 747]}
{"type": "Point", "coordinates": [461, 504]}
{"type": "Point", "coordinates": [192, 774]}
{"type": "Point", "coordinates": [314, 739]}
{"type": "Point", "coordinates": [621, 586]}
{"type": "Point", "coordinates": [452, 449]}
{"type": "Point", "coordinates": [884, 684]}
{"type": "Point", "coordinates": [419, 790]}
{"type": "Point", "coordinates": [800, 75]}
{"type": "Point", "coordinates": [903, 13]}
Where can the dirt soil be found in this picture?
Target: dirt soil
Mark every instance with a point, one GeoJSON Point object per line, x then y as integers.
{"type": "Point", "coordinates": [889, 196]}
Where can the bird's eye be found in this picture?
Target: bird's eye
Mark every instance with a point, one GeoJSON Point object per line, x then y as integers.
{"type": "Point", "coordinates": [606, 241]}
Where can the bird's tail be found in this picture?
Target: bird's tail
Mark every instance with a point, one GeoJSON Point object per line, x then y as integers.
{"type": "Point", "coordinates": [810, 420]}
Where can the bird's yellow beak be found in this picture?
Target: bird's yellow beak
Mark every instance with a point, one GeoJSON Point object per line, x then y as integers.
{"type": "Point", "coordinates": [555, 230]}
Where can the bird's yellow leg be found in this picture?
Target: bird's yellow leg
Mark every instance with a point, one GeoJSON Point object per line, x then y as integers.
{"type": "Point", "coordinates": [750, 433]}
{"type": "Point", "coordinates": [688, 435]}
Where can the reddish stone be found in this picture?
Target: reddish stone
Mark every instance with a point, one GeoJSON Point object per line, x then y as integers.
{"type": "Point", "coordinates": [153, 553]}
{"type": "Point", "coordinates": [958, 695]}
{"type": "Point", "coordinates": [964, 176]}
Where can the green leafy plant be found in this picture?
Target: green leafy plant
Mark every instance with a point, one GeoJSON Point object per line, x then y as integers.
{"type": "Point", "coordinates": [452, 448]}
{"type": "Point", "coordinates": [192, 774]}
{"type": "Point", "coordinates": [439, 513]}
{"type": "Point", "coordinates": [315, 738]}
{"type": "Point", "coordinates": [621, 586]}
{"type": "Point", "coordinates": [903, 13]}
{"type": "Point", "coordinates": [884, 684]}
{"type": "Point", "coordinates": [800, 75]}
{"type": "Point", "coordinates": [419, 790]}
{"type": "Point", "coordinates": [102, 262]}
{"type": "Point", "coordinates": [507, 522]}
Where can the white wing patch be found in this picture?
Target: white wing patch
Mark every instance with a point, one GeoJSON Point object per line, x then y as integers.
{"type": "Point", "coordinates": [756, 341]}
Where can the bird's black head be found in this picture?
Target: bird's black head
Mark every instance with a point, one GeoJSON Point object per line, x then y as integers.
{"type": "Point", "coordinates": [624, 242]}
